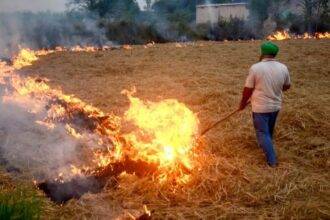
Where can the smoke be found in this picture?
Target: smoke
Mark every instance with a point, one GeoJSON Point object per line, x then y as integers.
{"type": "Point", "coordinates": [28, 146]}
{"type": "Point", "coordinates": [48, 30]}
{"type": "Point", "coordinates": [212, 14]}
{"type": "Point", "coordinates": [27, 142]}
{"type": "Point", "coordinates": [33, 5]}
{"type": "Point", "coordinates": [35, 29]}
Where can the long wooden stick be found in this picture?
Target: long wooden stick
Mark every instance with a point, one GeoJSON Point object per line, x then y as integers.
{"type": "Point", "coordinates": [223, 119]}
{"type": "Point", "coordinates": [219, 122]}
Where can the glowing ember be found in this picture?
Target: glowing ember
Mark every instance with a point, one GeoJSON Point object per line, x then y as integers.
{"type": "Point", "coordinates": [127, 47]}
{"type": "Point", "coordinates": [146, 210]}
{"type": "Point", "coordinates": [166, 132]}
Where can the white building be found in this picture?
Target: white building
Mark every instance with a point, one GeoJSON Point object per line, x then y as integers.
{"type": "Point", "coordinates": [213, 12]}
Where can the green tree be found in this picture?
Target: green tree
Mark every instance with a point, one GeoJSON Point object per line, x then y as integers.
{"type": "Point", "coordinates": [116, 9]}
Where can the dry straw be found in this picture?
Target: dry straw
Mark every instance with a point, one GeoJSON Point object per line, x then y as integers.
{"type": "Point", "coordinates": [231, 179]}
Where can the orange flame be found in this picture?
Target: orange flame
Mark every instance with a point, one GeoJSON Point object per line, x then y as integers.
{"type": "Point", "coordinates": [24, 58]}
{"type": "Point", "coordinates": [325, 35]}
{"type": "Point", "coordinates": [285, 35]}
{"type": "Point", "coordinates": [146, 210]}
{"type": "Point", "coordinates": [166, 132]}
{"type": "Point", "coordinates": [279, 35]}
{"type": "Point", "coordinates": [34, 93]}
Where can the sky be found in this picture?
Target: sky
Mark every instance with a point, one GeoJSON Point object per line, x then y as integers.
{"type": "Point", "coordinates": [38, 5]}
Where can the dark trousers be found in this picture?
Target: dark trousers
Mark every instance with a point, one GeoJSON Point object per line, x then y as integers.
{"type": "Point", "coordinates": [264, 124]}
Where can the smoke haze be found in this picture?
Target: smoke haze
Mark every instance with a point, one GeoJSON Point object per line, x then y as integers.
{"type": "Point", "coordinates": [47, 30]}
{"type": "Point", "coordinates": [32, 5]}
{"type": "Point", "coordinates": [31, 137]}
{"type": "Point", "coordinates": [40, 5]}
{"type": "Point", "coordinates": [25, 145]}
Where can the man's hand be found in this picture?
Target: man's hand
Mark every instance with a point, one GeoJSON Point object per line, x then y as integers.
{"type": "Point", "coordinates": [242, 106]}
{"type": "Point", "coordinates": [247, 93]}
{"type": "Point", "coordinates": [286, 87]}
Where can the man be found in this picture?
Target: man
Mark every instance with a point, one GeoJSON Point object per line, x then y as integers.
{"type": "Point", "coordinates": [265, 83]}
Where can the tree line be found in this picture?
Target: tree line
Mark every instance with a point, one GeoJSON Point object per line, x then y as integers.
{"type": "Point", "coordinates": [98, 22]}
{"type": "Point", "coordinates": [174, 20]}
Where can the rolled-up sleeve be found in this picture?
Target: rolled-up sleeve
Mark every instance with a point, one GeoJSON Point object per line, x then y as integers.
{"type": "Point", "coordinates": [250, 80]}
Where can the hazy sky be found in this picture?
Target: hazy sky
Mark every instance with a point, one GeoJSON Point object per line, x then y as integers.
{"type": "Point", "coordinates": [32, 5]}
{"type": "Point", "coordinates": [37, 5]}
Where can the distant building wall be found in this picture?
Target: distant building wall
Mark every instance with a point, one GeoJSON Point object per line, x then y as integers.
{"type": "Point", "coordinates": [213, 12]}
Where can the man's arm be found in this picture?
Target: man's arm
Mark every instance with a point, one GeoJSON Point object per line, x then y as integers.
{"type": "Point", "coordinates": [287, 82]}
{"type": "Point", "coordinates": [248, 89]}
{"type": "Point", "coordinates": [246, 95]}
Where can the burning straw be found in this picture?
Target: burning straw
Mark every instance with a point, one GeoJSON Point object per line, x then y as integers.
{"type": "Point", "coordinates": [229, 178]}
{"type": "Point", "coordinates": [160, 143]}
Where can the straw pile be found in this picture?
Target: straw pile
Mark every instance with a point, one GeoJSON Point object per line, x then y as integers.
{"type": "Point", "coordinates": [232, 180]}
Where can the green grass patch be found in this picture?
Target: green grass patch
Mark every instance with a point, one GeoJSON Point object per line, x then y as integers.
{"type": "Point", "coordinates": [20, 203]}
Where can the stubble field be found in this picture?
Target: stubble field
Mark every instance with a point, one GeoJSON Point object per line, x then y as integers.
{"type": "Point", "coordinates": [208, 77]}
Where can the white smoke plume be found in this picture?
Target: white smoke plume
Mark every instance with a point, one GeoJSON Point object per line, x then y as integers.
{"type": "Point", "coordinates": [32, 139]}
{"type": "Point", "coordinates": [32, 5]}
{"type": "Point", "coordinates": [26, 145]}
{"type": "Point", "coordinates": [45, 24]}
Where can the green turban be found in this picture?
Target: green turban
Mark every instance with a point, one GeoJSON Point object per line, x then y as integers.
{"type": "Point", "coordinates": [269, 48]}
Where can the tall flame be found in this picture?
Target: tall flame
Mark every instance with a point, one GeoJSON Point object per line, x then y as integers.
{"type": "Point", "coordinates": [166, 131]}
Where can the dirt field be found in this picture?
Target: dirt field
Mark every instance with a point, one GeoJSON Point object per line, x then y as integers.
{"type": "Point", "coordinates": [208, 77]}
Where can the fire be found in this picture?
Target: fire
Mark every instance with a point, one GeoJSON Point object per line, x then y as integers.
{"type": "Point", "coordinates": [27, 56]}
{"type": "Point", "coordinates": [149, 45]}
{"type": "Point", "coordinates": [24, 58]}
{"type": "Point", "coordinates": [166, 132]}
{"type": "Point", "coordinates": [72, 132]}
{"type": "Point", "coordinates": [178, 45]}
{"type": "Point", "coordinates": [34, 94]}
{"type": "Point", "coordinates": [285, 35]}
{"type": "Point", "coordinates": [84, 49]}
{"type": "Point", "coordinates": [325, 35]}
{"type": "Point", "coordinates": [307, 36]}
{"type": "Point", "coordinates": [127, 47]}
{"type": "Point", "coordinates": [279, 35]}
{"type": "Point", "coordinates": [146, 210]}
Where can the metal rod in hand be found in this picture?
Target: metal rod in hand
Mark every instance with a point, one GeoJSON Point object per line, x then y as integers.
{"type": "Point", "coordinates": [220, 121]}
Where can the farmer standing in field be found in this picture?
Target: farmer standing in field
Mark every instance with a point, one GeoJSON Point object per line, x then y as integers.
{"type": "Point", "coordinates": [265, 84]}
